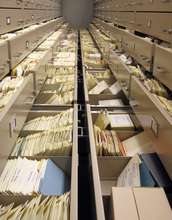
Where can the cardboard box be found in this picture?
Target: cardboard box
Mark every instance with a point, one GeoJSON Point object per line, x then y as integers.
{"type": "Point", "coordinates": [122, 204]}
{"type": "Point", "coordinates": [142, 203]}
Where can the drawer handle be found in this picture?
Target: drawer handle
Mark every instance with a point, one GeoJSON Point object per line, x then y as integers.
{"type": "Point", "coordinates": [140, 3]}
{"type": "Point", "coordinates": [4, 66]}
{"type": "Point", "coordinates": [132, 103]}
{"type": "Point", "coordinates": [160, 69]}
{"type": "Point", "coordinates": [27, 20]}
{"type": "Point", "coordinates": [162, 30]}
{"type": "Point", "coordinates": [18, 54]}
{"type": "Point", "coordinates": [144, 58]}
{"type": "Point", "coordinates": [20, 21]}
{"type": "Point", "coordinates": [164, 0]}
{"type": "Point", "coordinates": [40, 81]}
{"type": "Point", "coordinates": [30, 103]}
{"type": "Point", "coordinates": [138, 24]}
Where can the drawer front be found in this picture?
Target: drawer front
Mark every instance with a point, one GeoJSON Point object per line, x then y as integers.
{"type": "Point", "coordinates": [127, 5]}
{"type": "Point", "coordinates": [29, 17]}
{"type": "Point", "coordinates": [4, 65]}
{"type": "Point", "coordinates": [33, 4]}
{"type": "Point", "coordinates": [148, 110]}
{"type": "Point", "coordinates": [140, 49]}
{"type": "Point", "coordinates": [121, 73]}
{"type": "Point", "coordinates": [20, 47]}
{"type": "Point", "coordinates": [155, 24]}
{"type": "Point", "coordinates": [44, 15]}
{"type": "Point", "coordinates": [162, 66]}
{"type": "Point", "coordinates": [15, 112]}
{"type": "Point", "coordinates": [12, 19]}
{"type": "Point", "coordinates": [11, 4]}
{"type": "Point", "coordinates": [126, 19]}
{"type": "Point", "coordinates": [154, 5]}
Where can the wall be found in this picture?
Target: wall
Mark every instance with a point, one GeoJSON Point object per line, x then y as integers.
{"type": "Point", "coordinates": [77, 12]}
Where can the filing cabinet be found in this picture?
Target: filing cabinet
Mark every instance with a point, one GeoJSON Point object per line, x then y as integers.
{"type": "Point", "coordinates": [155, 120]}
{"type": "Point", "coordinates": [12, 20]}
{"type": "Point", "coordinates": [153, 24]}
{"type": "Point", "coordinates": [13, 116]}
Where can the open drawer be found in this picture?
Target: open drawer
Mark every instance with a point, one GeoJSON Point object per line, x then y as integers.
{"type": "Point", "coordinates": [105, 169]}
{"type": "Point", "coordinates": [140, 49]}
{"type": "Point", "coordinates": [156, 122]}
{"type": "Point", "coordinates": [13, 116]}
{"type": "Point", "coordinates": [162, 65]}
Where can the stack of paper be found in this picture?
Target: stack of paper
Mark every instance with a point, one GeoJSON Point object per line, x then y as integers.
{"type": "Point", "coordinates": [50, 208]}
{"type": "Point", "coordinates": [48, 122]}
{"type": "Point", "coordinates": [107, 143]}
{"type": "Point", "coordinates": [29, 177]}
{"type": "Point", "coordinates": [57, 142]}
{"type": "Point", "coordinates": [62, 99]}
{"type": "Point", "coordinates": [60, 79]}
{"type": "Point", "coordinates": [61, 71]}
{"type": "Point", "coordinates": [121, 122]}
{"type": "Point", "coordinates": [9, 83]}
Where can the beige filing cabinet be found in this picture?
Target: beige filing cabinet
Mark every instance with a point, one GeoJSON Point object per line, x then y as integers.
{"type": "Point", "coordinates": [18, 110]}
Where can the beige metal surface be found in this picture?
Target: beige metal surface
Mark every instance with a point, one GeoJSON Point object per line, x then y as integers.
{"type": "Point", "coordinates": [29, 17]}
{"type": "Point", "coordinates": [4, 63]}
{"type": "Point", "coordinates": [11, 4]}
{"type": "Point", "coordinates": [95, 170]}
{"type": "Point", "coordinates": [140, 49]}
{"type": "Point", "coordinates": [153, 24]}
{"type": "Point", "coordinates": [155, 120]}
{"type": "Point", "coordinates": [154, 5]}
{"type": "Point", "coordinates": [12, 20]}
{"type": "Point", "coordinates": [126, 19]}
{"type": "Point", "coordinates": [16, 109]}
{"type": "Point", "coordinates": [162, 65]}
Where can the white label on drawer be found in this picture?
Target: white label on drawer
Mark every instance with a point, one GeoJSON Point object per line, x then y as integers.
{"type": "Point", "coordinates": [133, 46]}
{"type": "Point", "coordinates": [13, 125]}
{"type": "Point", "coordinates": [27, 44]}
{"type": "Point", "coordinates": [149, 23]}
{"type": "Point", "coordinates": [115, 88]}
{"type": "Point", "coordinates": [32, 17]}
{"type": "Point", "coordinates": [124, 19]}
{"type": "Point", "coordinates": [150, 1]}
{"type": "Point", "coordinates": [8, 20]}
{"type": "Point", "coordinates": [31, 1]}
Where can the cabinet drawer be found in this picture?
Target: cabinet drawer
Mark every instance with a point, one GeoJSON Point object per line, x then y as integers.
{"type": "Point", "coordinates": [127, 5]}
{"type": "Point", "coordinates": [139, 48]}
{"type": "Point", "coordinates": [21, 46]}
{"type": "Point", "coordinates": [162, 65]}
{"type": "Point", "coordinates": [29, 17]}
{"type": "Point", "coordinates": [126, 19]}
{"type": "Point", "coordinates": [121, 72]}
{"type": "Point", "coordinates": [155, 24]}
{"type": "Point", "coordinates": [12, 19]}
{"type": "Point", "coordinates": [32, 4]}
{"type": "Point", "coordinates": [4, 65]}
{"type": "Point", "coordinates": [14, 113]}
{"type": "Point", "coordinates": [154, 5]}
{"type": "Point", "coordinates": [11, 4]}
{"type": "Point", "coordinates": [154, 119]}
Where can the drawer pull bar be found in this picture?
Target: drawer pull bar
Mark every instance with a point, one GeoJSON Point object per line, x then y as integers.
{"type": "Point", "coordinates": [138, 24]}
{"type": "Point", "coordinates": [162, 30]}
{"type": "Point", "coordinates": [132, 103]}
{"type": "Point", "coordinates": [160, 69]}
{"type": "Point", "coordinates": [18, 54]}
{"type": "Point", "coordinates": [33, 99]}
{"type": "Point", "coordinates": [4, 66]}
{"type": "Point", "coordinates": [164, 0]}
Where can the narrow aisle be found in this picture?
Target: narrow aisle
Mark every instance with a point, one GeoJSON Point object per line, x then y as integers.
{"type": "Point", "coordinates": [84, 195]}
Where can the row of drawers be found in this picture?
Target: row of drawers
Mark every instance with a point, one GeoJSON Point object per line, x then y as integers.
{"type": "Point", "coordinates": [17, 48]}
{"type": "Point", "coordinates": [134, 5]}
{"type": "Point", "coordinates": [105, 169]}
{"type": "Point", "coordinates": [32, 4]}
{"type": "Point", "coordinates": [143, 51]}
{"type": "Point", "coordinates": [16, 18]}
{"type": "Point", "coordinates": [153, 24]}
